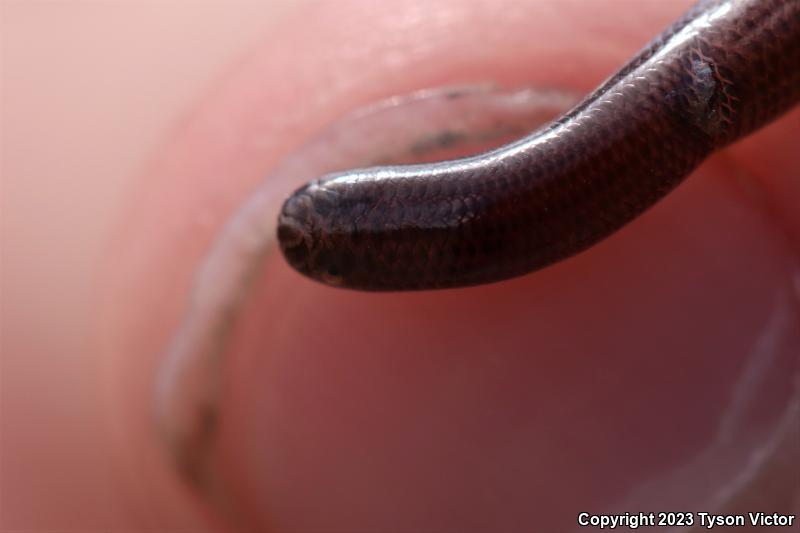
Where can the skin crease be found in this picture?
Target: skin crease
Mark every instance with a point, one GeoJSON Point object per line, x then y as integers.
{"type": "Point", "coordinates": [464, 407]}
{"type": "Point", "coordinates": [317, 421]}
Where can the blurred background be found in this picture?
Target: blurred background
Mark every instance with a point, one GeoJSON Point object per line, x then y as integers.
{"type": "Point", "coordinates": [89, 89]}
{"type": "Point", "coordinates": [657, 362]}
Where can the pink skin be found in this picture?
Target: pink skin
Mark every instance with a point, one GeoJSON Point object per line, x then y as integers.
{"type": "Point", "coordinates": [344, 410]}
{"type": "Point", "coordinates": [513, 406]}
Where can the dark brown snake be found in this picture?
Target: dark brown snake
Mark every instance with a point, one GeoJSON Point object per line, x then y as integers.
{"type": "Point", "coordinates": [725, 69]}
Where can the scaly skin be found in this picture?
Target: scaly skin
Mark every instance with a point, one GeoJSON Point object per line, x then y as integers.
{"type": "Point", "coordinates": [722, 71]}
